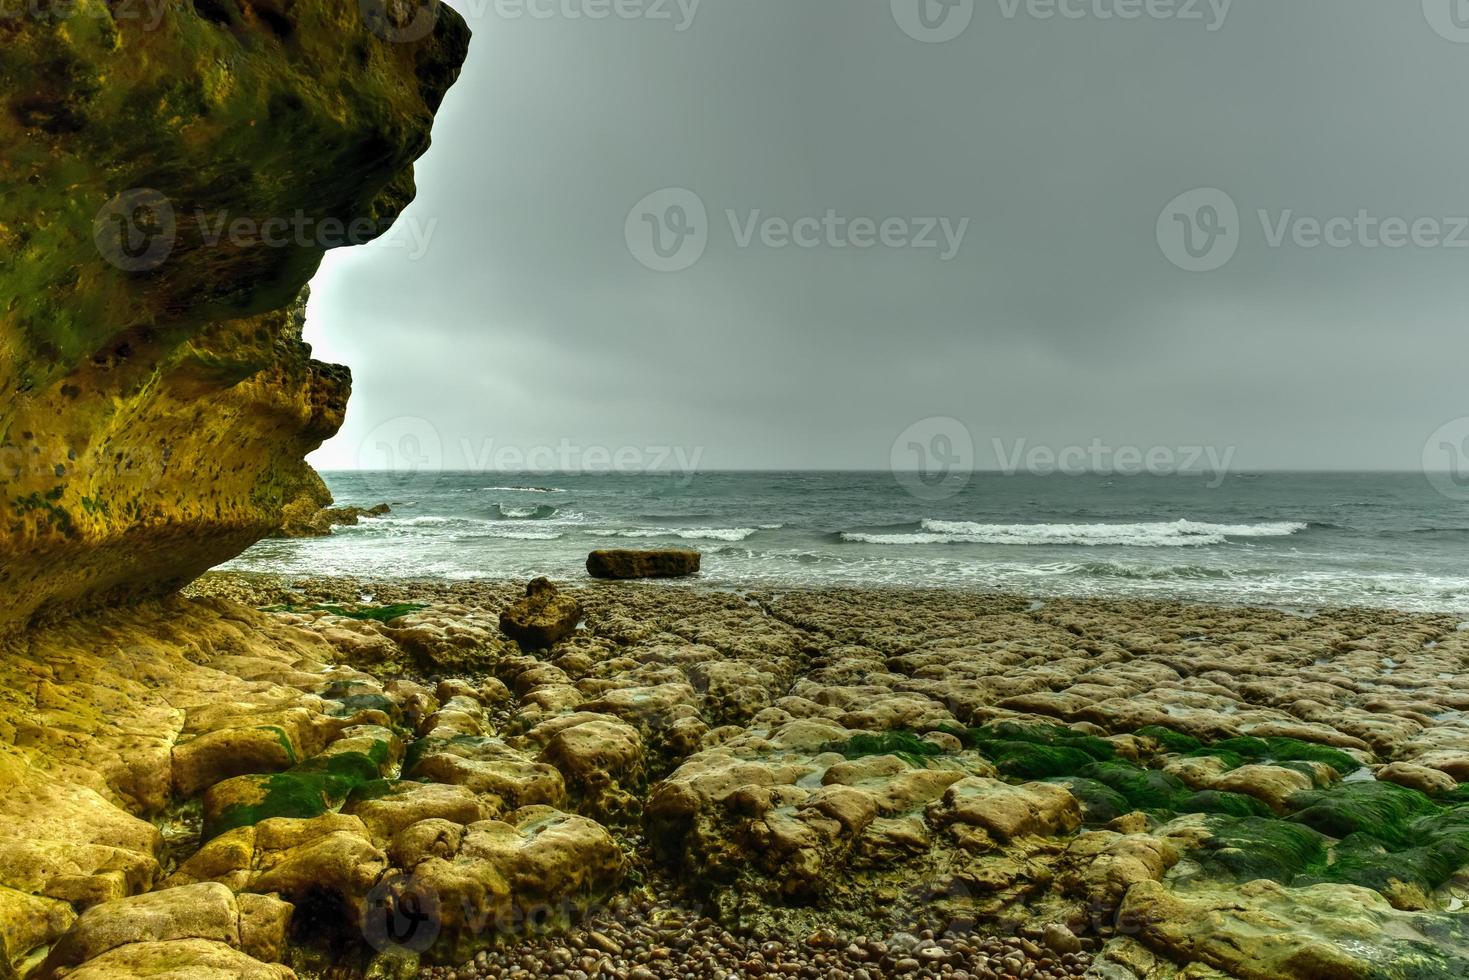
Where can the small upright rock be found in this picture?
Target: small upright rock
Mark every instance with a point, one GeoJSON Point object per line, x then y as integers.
{"type": "Point", "coordinates": [667, 563]}
{"type": "Point", "coordinates": [542, 618]}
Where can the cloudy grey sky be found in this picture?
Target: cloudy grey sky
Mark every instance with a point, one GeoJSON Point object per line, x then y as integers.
{"type": "Point", "coordinates": [529, 320]}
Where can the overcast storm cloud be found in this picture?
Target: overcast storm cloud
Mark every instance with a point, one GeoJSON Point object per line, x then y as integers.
{"type": "Point", "coordinates": [1235, 225]}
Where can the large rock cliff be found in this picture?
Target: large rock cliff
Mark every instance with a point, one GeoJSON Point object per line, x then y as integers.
{"type": "Point", "coordinates": [172, 175]}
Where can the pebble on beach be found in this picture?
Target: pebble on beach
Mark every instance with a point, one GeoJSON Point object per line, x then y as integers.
{"type": "Point", "coordinates": [641, 941]}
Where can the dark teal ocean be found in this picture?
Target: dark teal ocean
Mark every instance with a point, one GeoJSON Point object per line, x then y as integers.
{"type": "Point", "coordinates": [1291, 540]}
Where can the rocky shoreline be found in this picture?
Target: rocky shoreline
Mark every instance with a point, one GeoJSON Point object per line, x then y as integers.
{"type": "Point", "coordinates": [371, 779]}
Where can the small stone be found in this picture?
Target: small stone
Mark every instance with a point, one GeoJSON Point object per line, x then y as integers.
{"type": "Point", "coordinates": [1060, 939]}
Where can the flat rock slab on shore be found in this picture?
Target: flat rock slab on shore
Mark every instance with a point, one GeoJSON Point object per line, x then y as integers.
{"type": "Point", "coordinates": [834, 783]}
{"type": "Point", "coordinates": [625, 564]}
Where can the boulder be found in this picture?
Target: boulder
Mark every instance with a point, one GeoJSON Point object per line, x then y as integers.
{"type": "Point", "coordinates": [183, 959]}
{"type": "Point", "coordinates": [1264, 931]}
{"type": "Point", "coordinates": [319, 523]}
{"type": "Point", "coordinates": [624, 564]}
{"type": "Point", "coordinates": [206, 911]}
{"type": "Point", "coordinates": [167, 397]}
{"type": "Point", "coordinates": [544, 617]}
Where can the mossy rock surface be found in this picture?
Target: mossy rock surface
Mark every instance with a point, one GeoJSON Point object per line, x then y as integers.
{"type": "Point", "coordinates": [1145, 789]}
{"type": "Point", "coordinates": [1279, 751]}
{"type": "Point", "coordinates": [377, 614]}
{"type": "Point", "coordinates": [1009, 732]}
{"type": "Point", "coordinates": [1099, 803]}
{"type": "Point", "coordinates": [1249, 848]}
{"type": "Point", "coordinates": [907, 746]}
{"type": "Point", "coordinates": [1221, 801]}
{"type": "Point", "coordinates": [306, 791]}
{"type": "Point", "coordinates": [154, 376]}
{"type": "Point", "coordinates": [350, 705]}
{"type": "Point", "coordinates": [1175, 742]}
{"type": "Point", "coordinates": [1383, 811]}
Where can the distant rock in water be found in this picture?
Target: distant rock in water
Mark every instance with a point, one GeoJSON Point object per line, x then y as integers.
{"type": "Point", "coordinates": [544, 617]}
{"type": "Point", "coordinates": [320, 524]}
{"type": "Point", "coordinates": [664, 563]}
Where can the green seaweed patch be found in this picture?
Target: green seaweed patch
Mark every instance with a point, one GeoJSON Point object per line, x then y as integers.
{"type": "Point", "coordinates": [1238, 751]}
{"type": "Point", "coordinates": [1391, 836]}
{"type": "Point", "coordinates": [308, 790]}
{"type": "Point", "coordinates": [1175, 742]}
{"type": "Point", "coordinates": [1364, 861]}
{"type": "Point", "coordinates": [1384, 811]}
{"type": "Point", "coordinates": [1145, 789]}
{"type": "Point", "coordinates": [1037, 751]}
{"type": "Point", "coordinates": [1099, 803]}
{"type": "Point", "coordinates": [1053, 735]}
{"type": "Point", "coordinates": [1023, 760]}
{"type": "Point", "coordinates": [380, 614]}
{"type": "Point", "coordinates": [907, 746]}
{"type": "Point", "coordinates": [1251, 848]}
{"type": "Point", "coordinates": [1221, 801]}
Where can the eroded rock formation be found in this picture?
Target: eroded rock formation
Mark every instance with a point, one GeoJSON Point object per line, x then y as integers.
{"type": "Point", "coordinates": [172, 175]}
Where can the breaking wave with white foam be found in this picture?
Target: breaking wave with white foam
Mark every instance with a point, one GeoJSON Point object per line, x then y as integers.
{"type": "Point", "coordinates": [686, 533]}
{"type": "Point", "coordinates": [1175, 534]}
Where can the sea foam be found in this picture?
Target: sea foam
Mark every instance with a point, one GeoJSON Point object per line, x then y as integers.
{"type": "Point", "coordinates": [1175, 534]}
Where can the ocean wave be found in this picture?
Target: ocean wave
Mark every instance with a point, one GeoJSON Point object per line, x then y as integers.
{"type": "Point", "coordinates": [423, 520]}
{"type": "Point", "coordinates": [526, 489]}
{"type": "Point", "coordinates": [1175, 534]}
{"type": "Point", "coordinates": [686, 533]}
{"type": "Point", "coordinates": [510, 512]}
{"type": "Point", "coordinates": [509, 535]}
